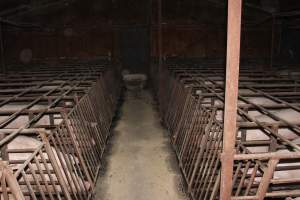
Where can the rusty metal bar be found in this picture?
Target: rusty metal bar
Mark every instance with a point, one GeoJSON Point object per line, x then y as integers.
{"type": "Point", "coordinates": [11, 181]}
{"type": "Point", "coordinates": [231, 96]}
{"type": "Point", "coordinates": [266, 179]}
{"type": "Point", "coordinates": [186, 120]}
{"type": "Point", "coordinates": [67, 163]}
{"type": "Point", "coordinates": [55, 165]}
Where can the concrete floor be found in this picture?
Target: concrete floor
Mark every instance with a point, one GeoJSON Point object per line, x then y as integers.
{"type": "Point", "coordinates": [140, 162]}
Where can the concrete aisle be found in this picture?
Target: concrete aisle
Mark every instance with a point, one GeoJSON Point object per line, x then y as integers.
{"type": "Point", "coordinates": [140, 162]}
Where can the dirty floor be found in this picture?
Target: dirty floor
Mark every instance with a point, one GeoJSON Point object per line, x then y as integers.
{"type": "Point", "coordinates": [140, 163]}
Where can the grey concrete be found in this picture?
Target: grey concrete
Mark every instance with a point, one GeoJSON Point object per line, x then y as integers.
{"type": "Point", "coordinates": [140, 162]}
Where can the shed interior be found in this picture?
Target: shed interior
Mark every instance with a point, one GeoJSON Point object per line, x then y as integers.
{"type": "Point", "coordinates": [150, 99]}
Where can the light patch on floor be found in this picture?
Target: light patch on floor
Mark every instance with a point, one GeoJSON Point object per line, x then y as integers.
{"type": "Point", "coordinates": [140, 162]}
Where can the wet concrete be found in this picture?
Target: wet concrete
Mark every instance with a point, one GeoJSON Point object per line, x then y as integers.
{"type": "Point", "coordinates": [141, 164]}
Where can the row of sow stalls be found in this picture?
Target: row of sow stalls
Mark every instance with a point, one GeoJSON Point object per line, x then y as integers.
{"type": "Point", "coordinates": [267, 151]}
{"type": "Point", "coordinates": [54, 123]}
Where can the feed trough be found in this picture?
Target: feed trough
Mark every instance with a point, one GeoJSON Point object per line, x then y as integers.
{"type": "Point", "coordinates": [135, 82]}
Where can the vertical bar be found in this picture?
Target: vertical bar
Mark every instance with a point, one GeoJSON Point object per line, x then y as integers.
{"type": "Point", "coordinates": [43, 176]}
{"type": "Point", "coordinates": [77, 150]}
{"type": "Point", "coordinates": [37, 181]}
{"type": "Point", "coordinates": [230, 112]}
{"type": "Point", "coordinates": [11, 181]}
{"type": "Point", "coordinates": [252, 178]}
{"type": "Point", "coordinates": [266, 179]}
{"type": "Point", "coordinates": [4, 194]}
{"type": "Point", "coordinates": [55, 165]}
{"type": "Point", "coordinates": [50, 175]}
{"type": "Point", "coordinates": [273, 140]}
{"type": "Point", "coordinates": [28, 185]}
{"type": "Point", "coordinates": [3, 149]}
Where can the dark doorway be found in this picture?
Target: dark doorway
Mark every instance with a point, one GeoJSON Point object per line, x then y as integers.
{"type": "Point", "coordinates": [135, 49]}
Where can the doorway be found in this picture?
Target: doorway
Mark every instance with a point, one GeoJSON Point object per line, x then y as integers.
{"type": "Point", "coordinates": [135, 48]}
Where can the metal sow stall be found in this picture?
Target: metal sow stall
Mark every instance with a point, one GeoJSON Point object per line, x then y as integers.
{"type": "Point", "coordinates": [54, 123]}
{"type": "Point", "coordinates": [266, 156]}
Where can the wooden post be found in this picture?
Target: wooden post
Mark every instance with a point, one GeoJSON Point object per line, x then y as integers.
{"type": "Point", "coordinates": [231, 96]}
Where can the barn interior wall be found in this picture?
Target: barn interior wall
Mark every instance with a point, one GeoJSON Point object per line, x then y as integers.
{"type": "Point", "coordinates": [186, 40]}
{"type": "Point", "coordinates": [210, 42]}
{"type": "Point", "coordinates": [59, 44]}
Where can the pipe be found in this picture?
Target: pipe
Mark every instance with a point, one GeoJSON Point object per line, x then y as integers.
{"type": "Point", "coordinates": [231, 96]}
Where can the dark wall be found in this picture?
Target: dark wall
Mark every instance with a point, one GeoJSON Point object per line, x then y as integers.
{"type": "Point", "coordinates": [132, 45]}
{"type": "Point", "coordinates": [68, 43]}
{"type": "Point", "coordinates": [202, 32]}
{"type": "Point", "coordinates": [290, 45]}
{"type": "Point", "coordinates": [210, 42]}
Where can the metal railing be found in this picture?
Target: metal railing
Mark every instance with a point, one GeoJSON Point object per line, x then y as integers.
{"type": "Point", "coordinates": [191, 102]}
{"type": "Point", "coordinates": [65, 115]}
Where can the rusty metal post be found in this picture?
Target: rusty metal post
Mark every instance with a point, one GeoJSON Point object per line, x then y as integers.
{"type": "Point", "coordinates": [230, 112]}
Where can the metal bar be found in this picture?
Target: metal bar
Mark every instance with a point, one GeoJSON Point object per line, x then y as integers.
{"type": "Point", "coordinates": [9, 137]}
{"type": "Point", "coordinates": [266, 179]}
{"type": "Point", "coordinates": [188, 145]}
{"type": "Point", "coordinates": [11, 181]}
{"type": "Point", "coordinates": [266, 156]}
{"type": "Point", "coordinates": [56, 167]}
{"type": "Point", "coordinates": [68, 167]}
{"type": "Point", "coordinates": [262, 124]}
{"type": "Point", "coordinates": [83, 163]}
{"type": "Point", "coordinates": [28, 185]}
{"type": "Point", "coordinates": [50, 175]}
{"type": "Point", "coordinates": [231, 96]}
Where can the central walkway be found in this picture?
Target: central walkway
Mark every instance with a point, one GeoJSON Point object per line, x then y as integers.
{"type": "Point", "coordinates": [140, 162]}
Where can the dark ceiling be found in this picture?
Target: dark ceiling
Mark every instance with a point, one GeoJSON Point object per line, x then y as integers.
{"type": "Point", "coordinates": [90, 12]}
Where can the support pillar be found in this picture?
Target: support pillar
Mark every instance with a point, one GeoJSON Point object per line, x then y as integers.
{"type": "Point", "coordinates": [231, 96]}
